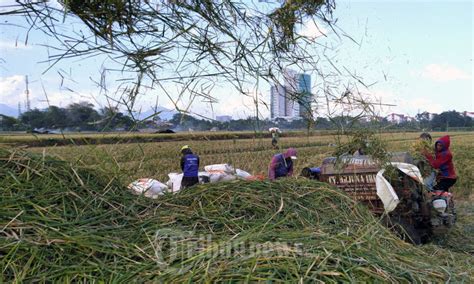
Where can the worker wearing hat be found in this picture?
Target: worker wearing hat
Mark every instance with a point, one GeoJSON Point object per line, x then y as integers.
{"type": "Point", "coordinates": [282, 164]}
{"type": "Point", "coordinates": [189, 166]}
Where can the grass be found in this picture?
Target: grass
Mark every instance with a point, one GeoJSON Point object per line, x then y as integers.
{"type": "Point", "coordinates": [94, 138]}
{"type": "Point", "coordinates": [63, 223]}
{"type": "Point", "coordinates": [65, 215]}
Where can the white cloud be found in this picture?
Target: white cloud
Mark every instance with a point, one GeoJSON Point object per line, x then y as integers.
{"type": "Point", "coordinates": [409, 106]}
{"type": "Point", "coordinates": [230, 102]}
{"type": "Point", "coordinates": [61, 99]}
{"type": "Point", "coordinates": [444, 73]}
{"type": "Point", "coordinates": [243, 106]}
{"type": "Point", "coordinates": [13, 92]}
{"type": "Point", "coordinates": [12, 88]}
{"type": "Point", "coordinates": [311, 30]}
{"type": "Point", "coordinates": [234, 104]}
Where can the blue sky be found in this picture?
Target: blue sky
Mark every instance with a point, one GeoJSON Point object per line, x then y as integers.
{"type": "Point", "coordinates": [419, 53]}
{"type": "Point", "coordinates": [424, 47]}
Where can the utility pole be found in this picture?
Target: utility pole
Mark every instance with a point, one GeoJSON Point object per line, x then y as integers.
{"type": "Point", "coordinates": [27, 92]}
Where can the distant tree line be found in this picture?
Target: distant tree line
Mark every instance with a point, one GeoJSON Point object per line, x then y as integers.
{"type": "Point", "coordinates": [442, 122]}
{"type": "Point", "coordinates": [83, 117]}
{"type": "Point", "coordinates": [75, 117]}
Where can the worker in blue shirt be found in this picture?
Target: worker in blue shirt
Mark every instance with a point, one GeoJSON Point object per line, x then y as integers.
{"type": "Point", "coordinates": [189, 166]}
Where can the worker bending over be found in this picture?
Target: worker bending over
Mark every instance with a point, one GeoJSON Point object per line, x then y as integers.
{"type": "Point", "coordinates": [282, 164]}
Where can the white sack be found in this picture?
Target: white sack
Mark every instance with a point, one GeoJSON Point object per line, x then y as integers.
{"type": "Point", "coordinates": [410, 170]}
{"type": "Point", "coordinates": [242, 174]}
{"type": "Point", "coordinates": [203, 177]}
{"type": "Point", "coordinates": [219, 167]}
{"type": "Point", "coordinates": [386, 193]}
{"type": "Point", "coordinates": [148, 187]}
{"type": "Point", "coordinates": [174, 182]}
{"type": "Point", "coordinates": [227, 177]}
{"type": "Point", "coordinates": [216, 176]}
{"type": "Point", "coordinates": [385, 190]}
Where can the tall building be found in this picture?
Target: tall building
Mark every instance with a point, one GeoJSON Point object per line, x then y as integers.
{"type": "Point", "coordinates": [277, 102]}
{"type": "Point", "coordinates": [305, 98]}
{"type": "Point", "coordinates": [293, 100]}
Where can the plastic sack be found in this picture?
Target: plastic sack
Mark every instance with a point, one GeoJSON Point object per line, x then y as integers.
{"type": "Point", "coordinates": [410, 170]}
{"type": "Point", "coordinates": [148, 187]}
{"type": "Point", "coordinates": [385, 190]}
{"type": "Point", "coordinates": [242, 174]}
{"type": "Point", "coordinates": [219, 167]}
{"type": "Point", "coordinates": [227, 177]}
{"type": "Point", "coordinates": [203, 177]}
{"type": "Point", "coordinates": [215, 176]}
{"type": "Point", "coordinates": [386, 193]}
{"type": "Point", "coordinates": [174, 183]}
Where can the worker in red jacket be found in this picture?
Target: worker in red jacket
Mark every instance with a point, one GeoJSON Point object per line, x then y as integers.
{"type": "Point", "coordinates": [443, 162]}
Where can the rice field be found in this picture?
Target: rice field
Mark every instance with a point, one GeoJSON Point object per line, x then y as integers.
{"type": "Point", "coordinates": [66, 216]}
{"type": "Point", "coordinates": [156, 160]}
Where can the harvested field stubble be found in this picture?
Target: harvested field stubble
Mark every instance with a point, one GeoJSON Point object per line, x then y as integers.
{"type": "Point", "coordinates": [156, 160]}
{"type": "Point", "coordinates": [68, 223]}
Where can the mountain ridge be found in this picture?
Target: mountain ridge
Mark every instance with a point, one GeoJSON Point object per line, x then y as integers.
{"type": "Point", "coordinates": [8, 110]}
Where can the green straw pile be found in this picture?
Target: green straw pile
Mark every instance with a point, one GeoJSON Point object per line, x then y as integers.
{"type": "Point", "coordinates": [61, 222]}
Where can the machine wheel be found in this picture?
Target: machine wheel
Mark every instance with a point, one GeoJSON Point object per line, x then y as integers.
{"type": "Point", "coordinates": [404, 230]}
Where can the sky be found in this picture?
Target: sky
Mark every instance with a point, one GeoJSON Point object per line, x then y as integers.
{"type": "Point", "coordinates": [415, 55]}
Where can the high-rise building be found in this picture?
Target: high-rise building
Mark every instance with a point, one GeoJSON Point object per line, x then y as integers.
{"type": "Point", "coordinates": [305, 98]}
{"type": "Point", "coordinates": [293, 100]}
{"type": "Point", "coordinates": [278, 101]}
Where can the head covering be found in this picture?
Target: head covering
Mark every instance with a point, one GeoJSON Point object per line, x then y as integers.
{"type": "Point", "coordinates": [290, 153]}
{"type": "Point", "coordinates": [445, 141]}
{"type": "Point", "coordinates": [185, 149]}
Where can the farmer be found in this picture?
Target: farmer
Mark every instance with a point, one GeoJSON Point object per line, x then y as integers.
{"type": "Point", "coordinates": [359, 152]}
{"type": "Point", "coordinates": [425, 136]}
{"type": "Point", "coordinates": [443, 162]}
{"type": "Point", "coordinates": [275, 131]}
{"type": "Point", "coordinates": [282, 164]}
{"type": "Point", "coordinates": [362, 150]}
{"type": "Point", "coordinates": [429, 174]}
{"type": "Point", "coordinates": [189, 166]}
